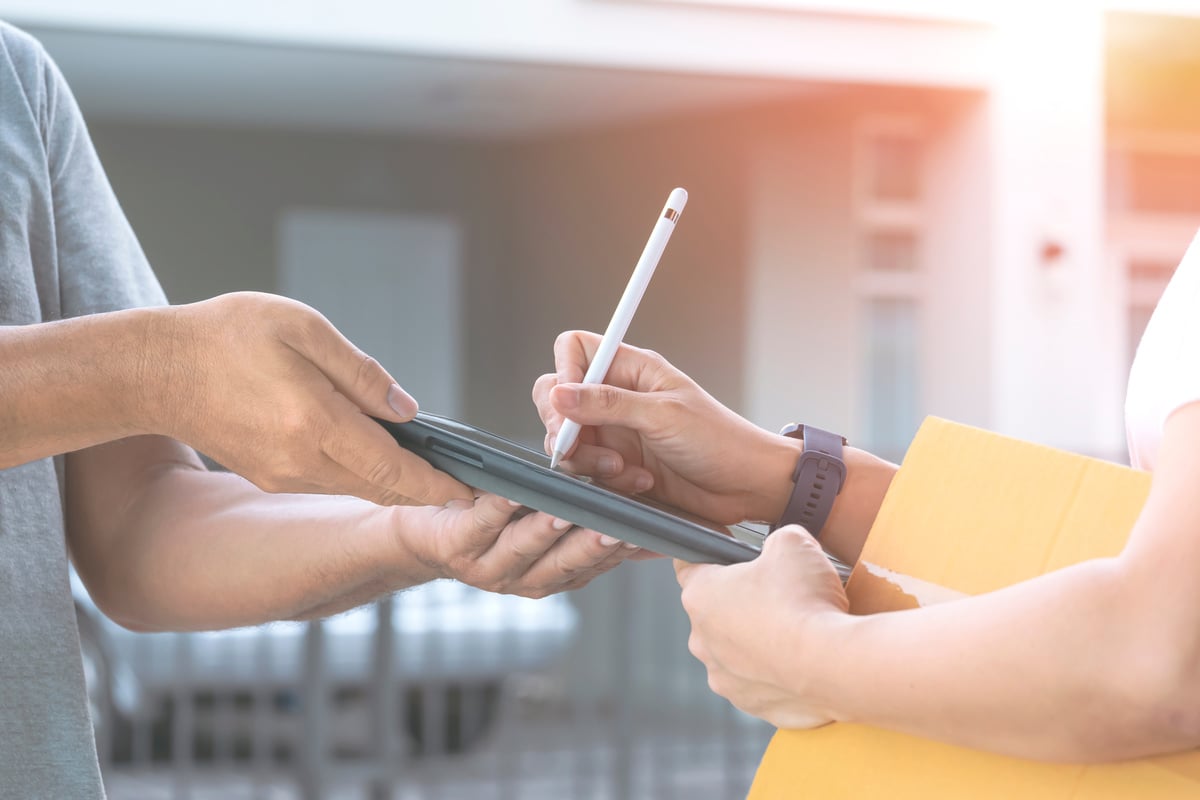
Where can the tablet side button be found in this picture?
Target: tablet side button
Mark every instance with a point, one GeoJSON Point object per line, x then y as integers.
{"type": "Point", "coordinates": [448, 449]}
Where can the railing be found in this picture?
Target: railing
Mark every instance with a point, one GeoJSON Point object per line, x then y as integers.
{"type": "Point", "coordinates": [620, 710]}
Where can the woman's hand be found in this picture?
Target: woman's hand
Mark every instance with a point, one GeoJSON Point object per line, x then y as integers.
{"type": "Point", "coordinates": [751, 623]}
{"type": "Point", "coordinates": [651, 428]}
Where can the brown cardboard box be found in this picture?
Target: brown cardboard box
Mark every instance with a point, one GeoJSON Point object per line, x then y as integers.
{"type": "Point", "coordinates": [969, 512]}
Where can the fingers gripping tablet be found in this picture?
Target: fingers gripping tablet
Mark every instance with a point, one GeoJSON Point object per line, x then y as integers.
{"type": "Point", "coordinates": [481, 459]}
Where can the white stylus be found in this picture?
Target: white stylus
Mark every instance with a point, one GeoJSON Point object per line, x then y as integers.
{"type": "Point", "coordinates": [621, 318]}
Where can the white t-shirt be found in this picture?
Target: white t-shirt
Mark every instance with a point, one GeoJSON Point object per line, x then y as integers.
{"type": "Point", "coordinates": [1166, 369]}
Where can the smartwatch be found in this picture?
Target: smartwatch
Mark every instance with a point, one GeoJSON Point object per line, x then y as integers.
{"type": "Point", "coordinates": [819, 476]}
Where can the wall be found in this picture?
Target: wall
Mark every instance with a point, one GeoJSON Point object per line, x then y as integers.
{"type": "Point", "coordinates": [1056, 346]}
{"type": "Point", "coordinates": [763, 258]}
{"type": "Point", "coordinates": [800, 360]}
{"type": "Point", "coordinates": [205, 203]}
{"type": "Point", "coordinates": [805, 351]}
{"type": "Point", "coordinates": [553, 229]}
{"type": "Point", "coordinates": [958, 361]}
{"type": "Point", "coordinates": [576, 220]}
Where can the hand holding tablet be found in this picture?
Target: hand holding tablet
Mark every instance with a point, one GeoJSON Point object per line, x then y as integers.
{"type": "Point", "coordinates": [494, 464]}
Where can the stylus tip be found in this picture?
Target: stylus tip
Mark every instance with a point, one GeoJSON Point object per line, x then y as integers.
{"type": "Point", "coordinates": [554, 459]}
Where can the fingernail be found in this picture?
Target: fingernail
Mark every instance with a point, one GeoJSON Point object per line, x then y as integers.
{"type": "Point", "coordinates": [608, 541]}
{"type": "Point", "coordinates": [402, 402]}
{"type": "Point", "coordinates": [631, 546]}
{"type": "Point", "coordinates": [568, 397]}
{"type": "Point", "coordinates": [515, 503]}
{"type": "Point", "coordinates": [643, 483]}
{"type": "Point", "coordinates": [560, 524]}
{"type": "Point", "coordinates": [607, 465]}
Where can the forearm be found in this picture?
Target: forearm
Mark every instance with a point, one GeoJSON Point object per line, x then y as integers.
{"type": "Point", "coordinates": [202, 550]}
{"type": "Point", "coordinates": [867, 480]}
{"type": "Point", "coordinates": [75, 383]}
{"type": "Point", "coordinates": [1061, 668]}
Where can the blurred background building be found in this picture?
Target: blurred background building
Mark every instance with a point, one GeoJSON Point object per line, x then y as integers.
{"type": "Point", "coordinates": [898, 208]}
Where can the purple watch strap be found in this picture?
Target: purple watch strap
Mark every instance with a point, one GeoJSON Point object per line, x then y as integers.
{"type": "Point", "coordinates": [819, 475]}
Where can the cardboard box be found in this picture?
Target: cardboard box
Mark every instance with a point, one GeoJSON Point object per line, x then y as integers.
{"type": "Point", "coordinates": [969, 512]}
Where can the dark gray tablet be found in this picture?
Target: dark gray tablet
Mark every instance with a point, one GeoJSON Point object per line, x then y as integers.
{"type": "Point", "coordinates": [494, 464]}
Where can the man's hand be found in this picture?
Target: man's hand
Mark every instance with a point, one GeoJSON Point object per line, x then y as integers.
{"type": "Point", "coordinates": [485, 543]}
{"type": "Point", "coordinates": [270, 389]}
{"type": "Point", "coordinates": [651, 428]}
{"type": "Point", "coordinates": [749, 624]}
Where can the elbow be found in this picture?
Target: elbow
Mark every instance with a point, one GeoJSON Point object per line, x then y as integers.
{"type": "Point", "coordinates": [1149, 674]}
{"type": "Point", "coordinates": [1166, 673]}
{"type": "Point", "coordinates": [1153, 708]}
{"type": "Point", "coordinates": [1181, 725]}
{"type": "Point", "coordinates": [1138, 698]}
{"type": "Point", "coordinates": [118, 613]}
{"type": "Point", "coordinates": [1171, 705]}
{"type": "Point", "coordinates": [107, 597]}
{"type": "Point", "coordinates": [135, 625]}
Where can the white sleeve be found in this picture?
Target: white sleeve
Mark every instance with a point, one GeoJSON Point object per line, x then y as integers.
{"type": "Point", "coordinates": [1166, 369]}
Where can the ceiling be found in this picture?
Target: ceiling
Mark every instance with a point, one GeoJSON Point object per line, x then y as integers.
{"type": "Point", "coordinates": [1152, 65]}
{"type": "Point", "coordinates": [240, 83]}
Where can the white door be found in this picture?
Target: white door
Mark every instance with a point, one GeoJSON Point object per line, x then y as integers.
{"type": "Point", "coordinates": [392, 284]}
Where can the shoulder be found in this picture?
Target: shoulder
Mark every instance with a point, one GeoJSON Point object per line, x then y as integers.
{"type": "Point", "coordinates": [21, 51]}
{"type": "Point", "coordinates": [23, 62]}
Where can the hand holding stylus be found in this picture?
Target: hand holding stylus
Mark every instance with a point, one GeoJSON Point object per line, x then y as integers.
{"type": "Point", "coordinates": [651, 428]}
{"type": "Point", "coordinates": [615, 333]}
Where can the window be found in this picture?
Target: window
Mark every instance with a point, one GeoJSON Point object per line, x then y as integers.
{"type": "Point", "coordinates": [891, 251]}
{"type": "Point", "coordinates": [891, 373]}
{"type": "Point", "coordinates": [889, 222]}
{"type": "Point", "coordinates": [391, 283]}
{"type": "Point", "coordinates": [894, 168]}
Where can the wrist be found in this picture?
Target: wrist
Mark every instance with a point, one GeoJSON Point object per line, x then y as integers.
{"type": "Point", "coordinates": [412, 552]}
{"type": "Point", "coordinates": [122, 345]}
{"type": "Point", "coordinates": [814, 670]}
{"type": "Point", "coordinates": [778, 457]}
{"type": "Point", "coordinates": [161, 340]}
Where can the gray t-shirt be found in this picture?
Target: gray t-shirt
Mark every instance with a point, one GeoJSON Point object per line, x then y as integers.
{"type": "Point", "coordinates": [65, 250]}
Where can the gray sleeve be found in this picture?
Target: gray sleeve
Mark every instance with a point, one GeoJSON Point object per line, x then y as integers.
{"type": "Point", "coordinates": [101, 266]}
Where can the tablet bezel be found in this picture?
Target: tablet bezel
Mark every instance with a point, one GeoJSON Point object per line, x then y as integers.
{"type": "Point", "coordinates": [492, 463]}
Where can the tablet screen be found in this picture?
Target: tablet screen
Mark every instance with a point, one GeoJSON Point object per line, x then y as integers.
{"type": "Point", "coordinates": [531, 456]}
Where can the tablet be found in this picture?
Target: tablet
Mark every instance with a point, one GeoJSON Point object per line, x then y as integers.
{"type": "Point", "coordinates": [494, 464]}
